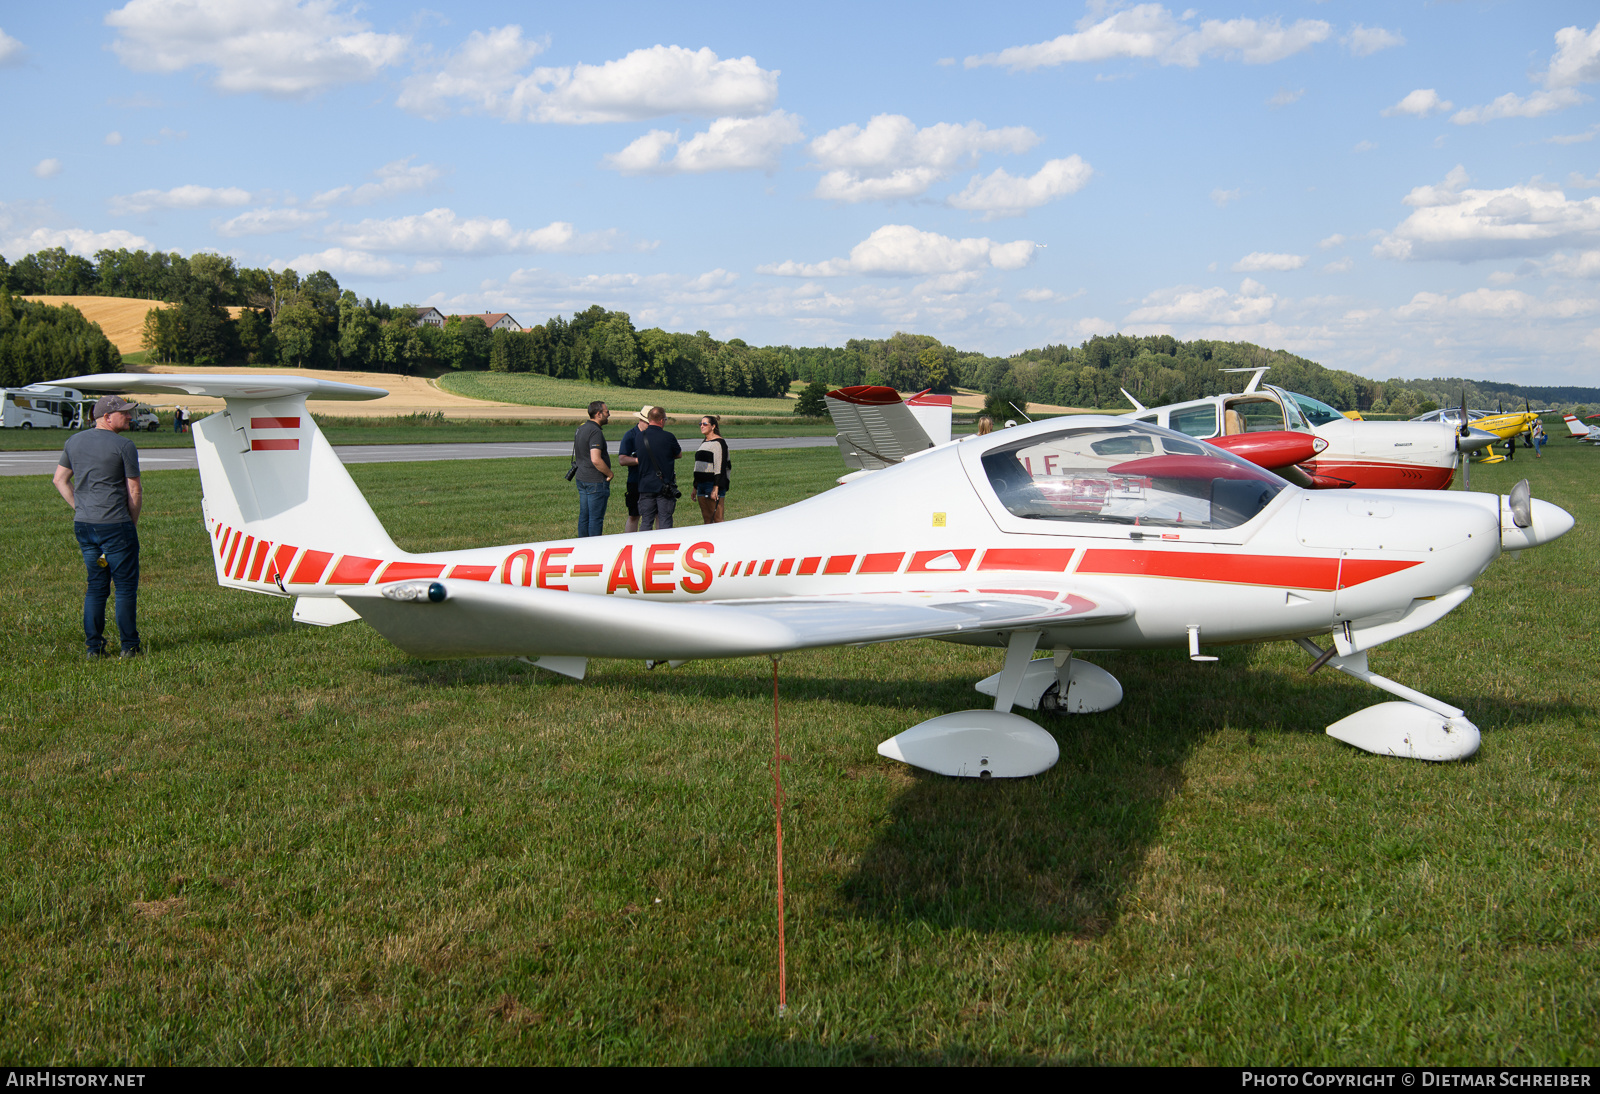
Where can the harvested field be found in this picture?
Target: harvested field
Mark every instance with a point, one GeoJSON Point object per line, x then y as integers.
{"type": "Point", "coordinates": [120, 317]}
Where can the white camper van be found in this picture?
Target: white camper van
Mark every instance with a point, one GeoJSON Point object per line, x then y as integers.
{"type": "Point", "coordinates": [41, 406]}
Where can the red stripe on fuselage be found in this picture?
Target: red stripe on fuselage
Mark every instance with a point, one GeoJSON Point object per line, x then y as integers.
{"type": "Point", "coordinates": [1280, 570]}
{"type": "Point", "coordinates": [1040, 559]}
{"type": "Point", "coordinates": [401, 571]}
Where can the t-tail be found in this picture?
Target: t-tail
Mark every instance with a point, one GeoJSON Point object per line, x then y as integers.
{"type": "Point", "coordinates": [282, 514]}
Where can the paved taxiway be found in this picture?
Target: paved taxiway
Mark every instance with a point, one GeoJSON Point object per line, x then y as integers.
{"type": "Point", "coordinates": [182, 459]}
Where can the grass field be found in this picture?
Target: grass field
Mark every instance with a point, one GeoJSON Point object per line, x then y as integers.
{"type": "Point", "coordinates": [531, 389]}
{"type": "Point", "coordinates": [435, 429]}
{"type": "Point", "coordinates": [267, 843]}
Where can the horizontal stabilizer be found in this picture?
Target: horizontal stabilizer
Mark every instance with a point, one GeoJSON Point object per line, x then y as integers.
{"type": "Point", "coordinates": [480, 620]}
{"type": "Point", "coordinates": [875, 427]}
{"type": "Point", "coordinates": [258, 387]}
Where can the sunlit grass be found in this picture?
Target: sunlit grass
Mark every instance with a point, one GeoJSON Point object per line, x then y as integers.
{"type": "Point", "coordinates": [267, 843]}
{"type": "Point", "coordinates": [532, 389]}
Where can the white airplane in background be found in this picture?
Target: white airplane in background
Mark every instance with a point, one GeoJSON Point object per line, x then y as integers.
{"type": "Point", "coordinates": [1369, 455]}
{"type": "Point", "coordinates": [1085, 533]}
{"type": "Point", "coordinates": [1590, 433]}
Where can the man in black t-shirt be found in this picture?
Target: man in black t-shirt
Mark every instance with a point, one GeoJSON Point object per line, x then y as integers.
{"type": "Point", "coordinates": [592, 469]}
{"type": "Point", "coordinates": [105, 500]}
{"type": "Point", "coordinates": [655, 450]}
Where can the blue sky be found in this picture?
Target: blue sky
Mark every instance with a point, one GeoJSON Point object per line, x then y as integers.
{"type": "Point", "coordinates": [1395, 189]}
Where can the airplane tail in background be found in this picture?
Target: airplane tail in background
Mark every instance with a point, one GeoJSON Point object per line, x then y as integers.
{"type": "Point", "coordinates": [877, 429]}
{"type": "Point", "coordinates": [283, 515]}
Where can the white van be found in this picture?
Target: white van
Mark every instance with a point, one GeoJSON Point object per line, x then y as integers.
{"type": "Point", "coordinates": [41, 406]}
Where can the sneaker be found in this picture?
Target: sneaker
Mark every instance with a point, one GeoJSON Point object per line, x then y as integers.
{"type": "Point", "coordinates": [127, 655]}
{"type": "Point", "coordinates": [95, 655]}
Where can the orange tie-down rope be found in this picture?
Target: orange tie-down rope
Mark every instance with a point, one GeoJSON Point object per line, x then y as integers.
{"type": "Point", "coordinates": [777, 801]}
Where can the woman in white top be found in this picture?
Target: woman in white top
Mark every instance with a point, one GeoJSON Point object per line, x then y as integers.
{"type": "Point", "coordinates": [711, 465]}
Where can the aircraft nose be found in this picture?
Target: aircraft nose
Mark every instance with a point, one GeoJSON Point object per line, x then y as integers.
{"type": "Point", "coordinates": [1476, 440]}
{"type": "Point", "coordinates": [1528, 522]}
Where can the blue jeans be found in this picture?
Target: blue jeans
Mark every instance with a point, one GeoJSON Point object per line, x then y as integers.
{"type": "Point", "coordinates": [592, 500]}
{"type": "Point", "coordinates": [120, 544]}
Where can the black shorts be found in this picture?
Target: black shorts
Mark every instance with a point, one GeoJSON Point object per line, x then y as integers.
{"type": "Point", "coordinates": [632, 497]}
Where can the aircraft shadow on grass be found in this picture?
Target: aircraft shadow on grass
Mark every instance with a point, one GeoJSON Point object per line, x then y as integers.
{"type": "Point", "coordinates": [1059, 852]}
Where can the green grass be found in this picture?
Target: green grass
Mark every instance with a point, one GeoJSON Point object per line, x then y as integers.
{"type": "Point", "coordinates": [531, 389]}
{"type": "Point", "coordinates": [268, 843]}
{"type": "Point", "coordinates": [432, 429]}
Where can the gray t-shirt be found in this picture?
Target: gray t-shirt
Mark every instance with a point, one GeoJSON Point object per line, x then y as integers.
{"type": "Point", "coordinates": [589, 437]}
{"type": "Point", "coordinates": [101, 463]}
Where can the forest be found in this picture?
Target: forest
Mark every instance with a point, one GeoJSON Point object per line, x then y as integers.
{"type": "Point", "coordinates": [286, 319]}
{"type": "Point", "coordinates": [39, 342]}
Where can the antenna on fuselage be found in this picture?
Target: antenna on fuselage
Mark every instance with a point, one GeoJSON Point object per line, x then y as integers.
{"type": "Point", "coordinates": [1137, 405]}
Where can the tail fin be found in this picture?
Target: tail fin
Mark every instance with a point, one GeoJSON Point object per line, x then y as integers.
{"type": "Point", "coordinates": [283, 514]}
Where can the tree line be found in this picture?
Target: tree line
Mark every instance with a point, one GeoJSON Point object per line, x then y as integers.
{"type": "Point", "coordinates": [221, 313]}
{"type": "Point", "coordinates": [39, 342]}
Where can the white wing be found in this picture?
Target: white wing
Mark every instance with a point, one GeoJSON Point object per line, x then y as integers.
{"type": "Point", "coordinates": [253, 388]}
{"type": "Point", "coordinates": [480, 620]}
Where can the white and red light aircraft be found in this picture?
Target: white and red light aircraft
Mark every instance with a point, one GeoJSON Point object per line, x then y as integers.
{"type": "Point", "coordinates": [1074, 534]}
{"type": "Point", "coordinates": [1370, 455]}
{"type": "Point", "coordinates": [1590, 433]}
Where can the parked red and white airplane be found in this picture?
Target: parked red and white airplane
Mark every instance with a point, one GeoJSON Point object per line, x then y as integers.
{"type": "Point", "coordinates": [1590, 433]}
{"type": "Point", "coordinates": [1369, 455]}
{"type": "Point", "coordinates": [1087, 533]}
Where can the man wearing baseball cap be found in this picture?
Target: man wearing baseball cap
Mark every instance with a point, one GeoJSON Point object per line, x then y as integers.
{"type": "Point", "coordinates": [105, 500]}
{"type": "Point", "coordinates": [628, 453]}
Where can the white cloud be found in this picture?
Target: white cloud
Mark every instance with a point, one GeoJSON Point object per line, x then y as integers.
{"type": "Point", "coordinates": [1186, 304]}
{"type": "Point", "coordinates": [397, 177]}
{"type": "Point", "coordinates": [1364, 146]}
{"type": "Point", "coordinates": [47, 169]}
{"type": "Point", "coordinates": [899, 250]}
{"type": "Point", "coordinates": [287, 48]}
{"type": "Point", "coordinates": [1464, 225]}
{"type": "Point", "coordinates": [1577, 58]}
{"type": "Point", "coordinates": [11, 51]}
{"type": "Point", "coordinates": [482, 72]}
{"type": "Point", "coordinates": [1511, 105]}
{"type": "Point", "coordinates": [485, 76]}
{"type": "Point", "coordinates": [730, 144]}
{"type": "Point", "coordinates": [1256, 261]}
{"type": "Point", "coordinates": [113, 138]}
{"type": "Point", "coordinates": [1343, 265]}
{"type": "Point", "coordinates": [1574, 138]}
{"type": "Point", "coordinates": [1332, 241]}
{"type": "Point", "coordinates": [257, 222]}
{"type": "Point", "coordinates": [1494, 304]}
{"type": "Point", "coordinates": [1365, 41]}
{"type": "Point", "coordinates": [1284, 97]}
{"type": "Point", "coordinates": [1585, 264]}
{"type": "Point", "coordinates": [442, 232]}
{"type": "Point", "coordinates": [179, 197]}
{"type": "Point", "coordinates": [79, 241]}
{"type": "Point", "coordinates": [1419, 104]}
{"type": "Point", "coordinates": [1002, 194]}
{"type": "Point", "coordinates": [1222, 197]}
{"type": "Point", "coordinates": [338, 260]}
{"type": "Point", "coordinates": [1151, 31]}
{"type": "Point", "coordinates": [891, 158]}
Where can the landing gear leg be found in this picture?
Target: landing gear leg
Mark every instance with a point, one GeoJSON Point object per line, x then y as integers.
{"type": "Point", "coordinates": [1421, 728]}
